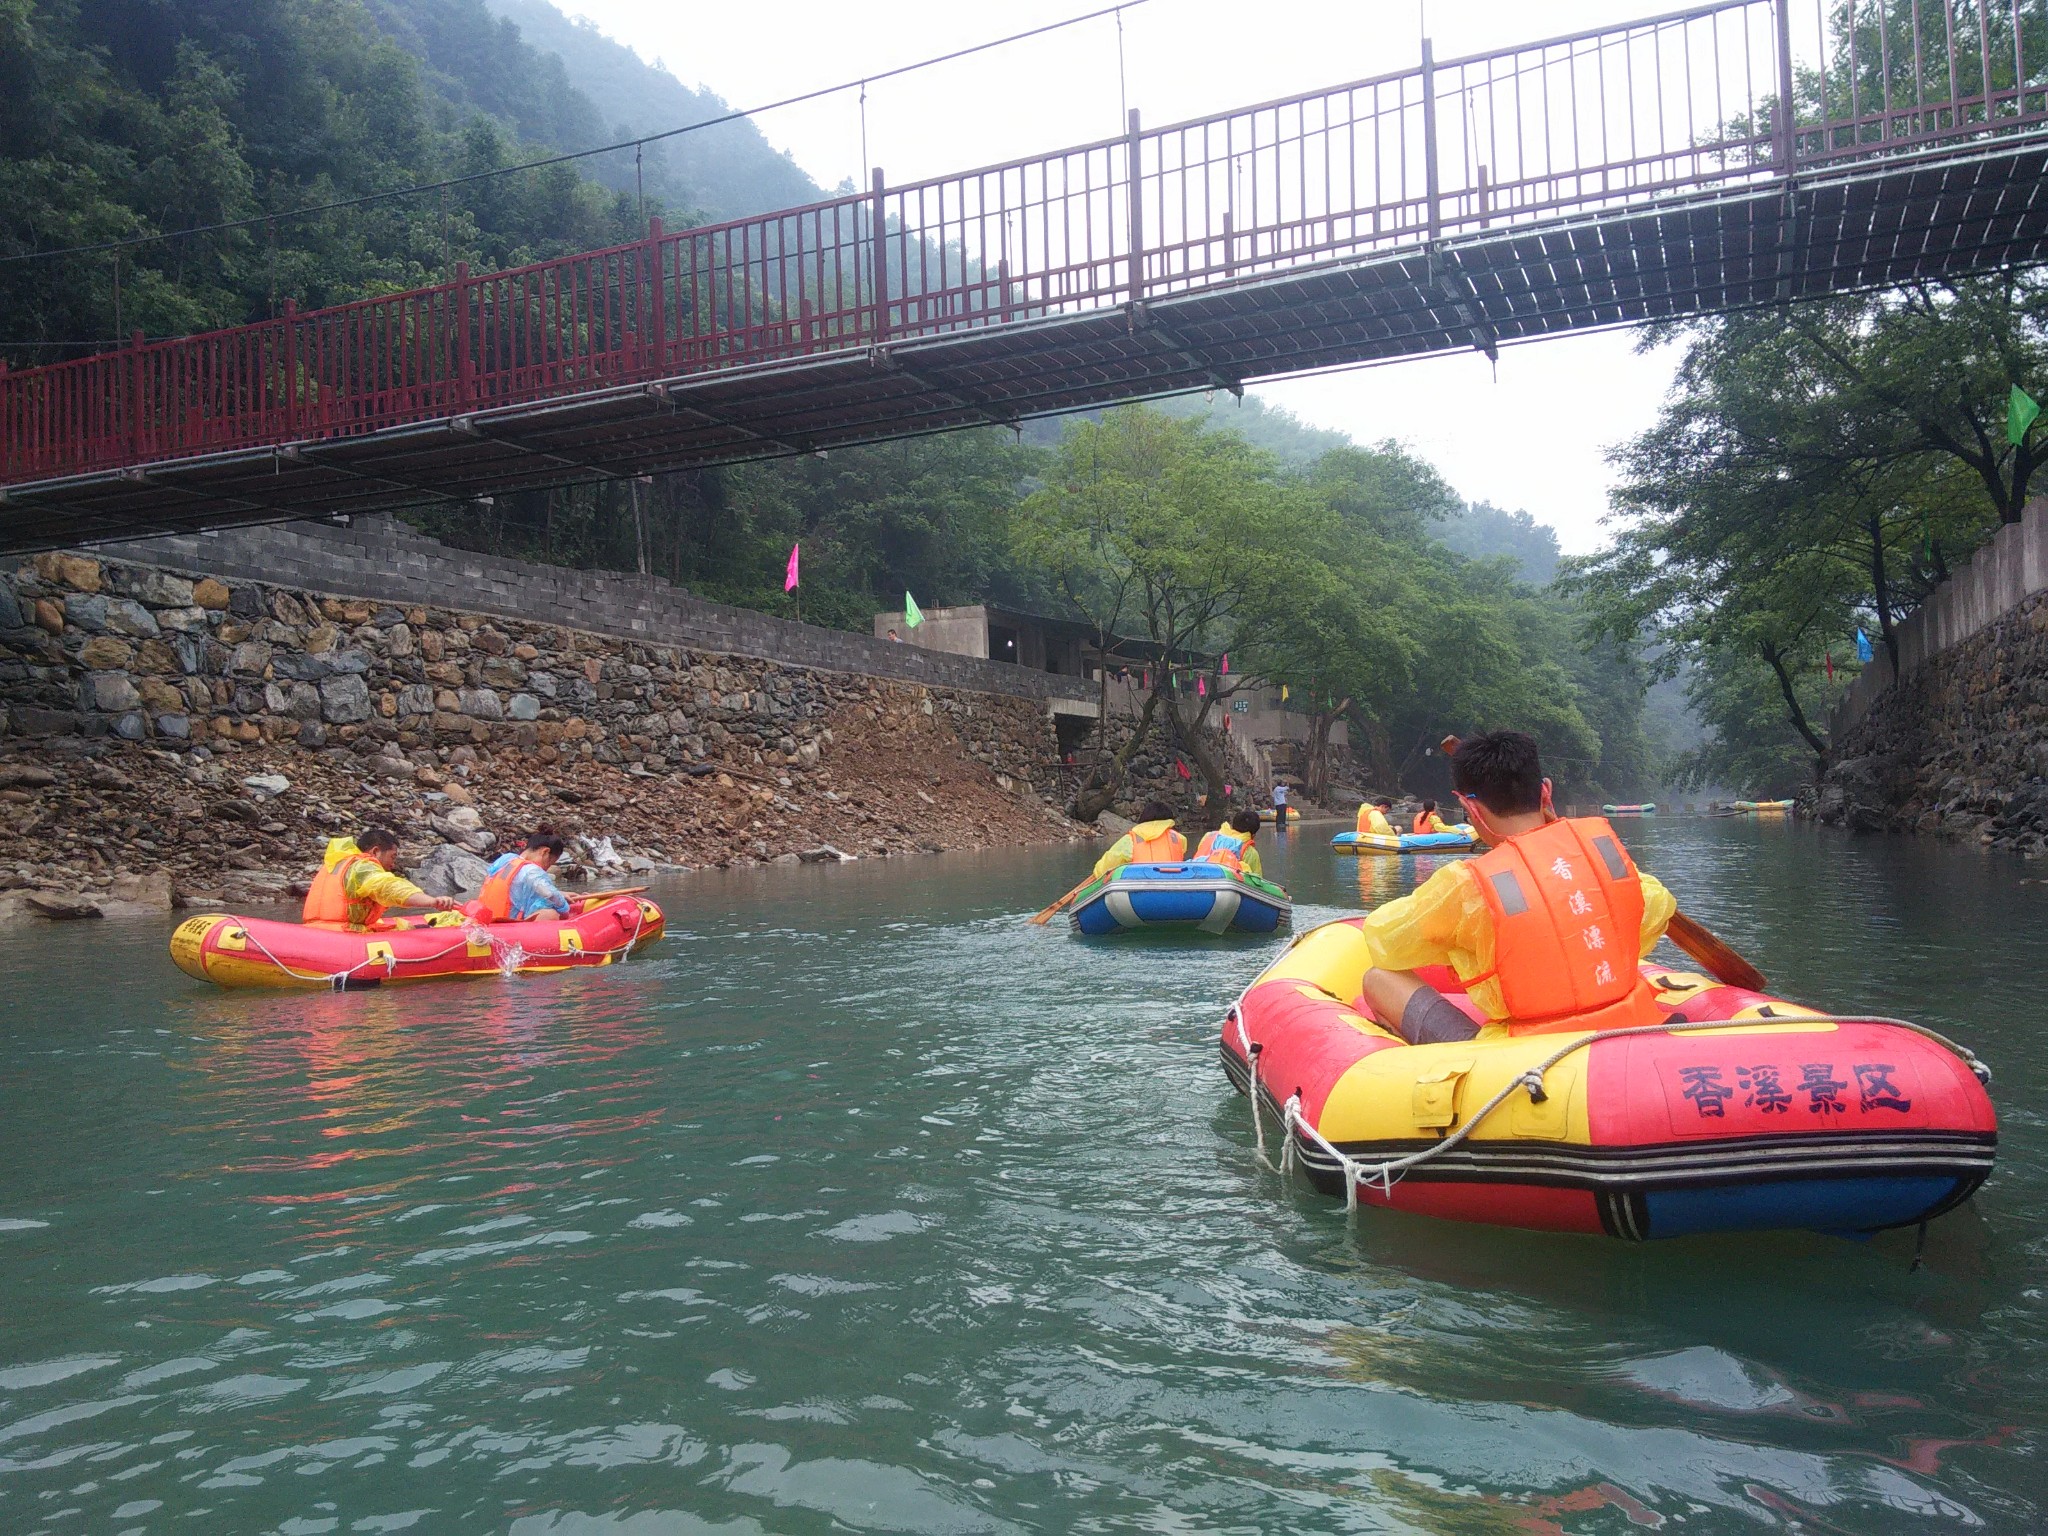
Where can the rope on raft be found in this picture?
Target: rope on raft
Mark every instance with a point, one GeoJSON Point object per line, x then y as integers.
{"type": "Point", "coordinates": [1358, 1171]}
{"type": "Point", "coordinates": [338, 980]}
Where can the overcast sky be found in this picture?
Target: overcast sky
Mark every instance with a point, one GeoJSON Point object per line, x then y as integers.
{"type": "Point", "coordinates": [1530, 434]}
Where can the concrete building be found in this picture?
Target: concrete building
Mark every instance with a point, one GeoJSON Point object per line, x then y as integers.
{"type": "Point", "coordinates": [1271, 734]}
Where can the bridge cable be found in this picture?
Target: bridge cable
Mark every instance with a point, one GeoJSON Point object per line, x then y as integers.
{"type": "Point", "coordinates": [570, 156]}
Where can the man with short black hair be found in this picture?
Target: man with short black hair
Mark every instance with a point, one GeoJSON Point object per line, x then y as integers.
{"type": "Point", "coordinates": [1544, 929]}
{"type": "Point", "coordinates": [1373, 819]}
{"type": "Point", "coordinates": [356, 885]}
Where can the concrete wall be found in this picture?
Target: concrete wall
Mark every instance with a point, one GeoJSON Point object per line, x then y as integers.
{"type": "Point", "coordinates": [954, 631]}
{"type": "Point", "coordinates": [2001, 576]}
{"type": "Point", "coordinates": [384, 561]}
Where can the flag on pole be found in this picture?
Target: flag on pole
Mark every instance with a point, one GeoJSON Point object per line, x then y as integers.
{"type": "Point", "coordinates": [1829, 658]}
{"type": "Point", "coordinates": [1283, 693]}
{"type": "Point", "coordinates": [1226, 663]}
{"type": "Point", "coordinates": [1182, 768]}
{"type": "Point", "coordinates": [1202, 687]}
{"type": "Point", "coordinates": [789, 576]}
{"type": "Point", "coordinates": [2020, 411]}
{"type": "Point", "coordinates": [912, 614]}
{"type": "Point", "coordinates": [1862, 646]}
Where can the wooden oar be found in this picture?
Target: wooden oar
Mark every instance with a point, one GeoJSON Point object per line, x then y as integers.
{"type": "Point", "coordinates": [624, 890]}
{"type": "Point", "coordinates": [1721, 962]}
{"type": "Point", "coordinates": [1057, 907]}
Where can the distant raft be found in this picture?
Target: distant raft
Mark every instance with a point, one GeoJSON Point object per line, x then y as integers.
{"type": "Point", "coordinates": [1647, 808]}
{"type": "Point", "coordinates": [1762, 807]}
{"type": "Point", "coordinates": [259, 952]}
{"type": "Point", "coordinates": [1205, 898]}
{"type": "Point", "coordinates": [1460, 836]}
{"type": "Point", "coordinates": [1740, 1112]}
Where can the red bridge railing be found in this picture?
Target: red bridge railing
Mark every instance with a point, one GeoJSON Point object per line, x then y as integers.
{"type": "Point", "coordinates": [1675, 104]}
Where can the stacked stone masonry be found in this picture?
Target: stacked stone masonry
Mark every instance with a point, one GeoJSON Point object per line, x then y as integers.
{"type": "Point", "coordinates": [388, 564]}
{"type": "Point", "coordinates": [100, 647]}
{"type": "Point", "coordinates": [1960, 748]}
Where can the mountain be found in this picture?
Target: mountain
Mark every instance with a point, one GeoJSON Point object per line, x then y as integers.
{"type": "Point", "coordinates": [721, 173]}
{"type": "Point", "coordinates": [1486, 532]}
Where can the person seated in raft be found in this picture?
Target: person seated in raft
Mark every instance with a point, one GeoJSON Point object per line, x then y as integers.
{"type": "Point", "coordinates": [1427, 820]}
{"type": "Point", "coordinates": [1544, 929]}
{"type": "Point", "coordinates": [1231, 845]}
{"type": "Point", "coordinates": [356, 885]}
{"type": "Point", "coordinates": [1152, 841]}
{"type": "Point", "coordinates": [1373, 819]}
{"type": "Point", "coordinates": [519, 888]}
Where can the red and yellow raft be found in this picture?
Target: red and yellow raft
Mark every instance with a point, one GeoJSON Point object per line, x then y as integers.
{"type": "Point", "coordinates": [256, 952]}
{"type": "Point", "coordinates": [1743, 1112]}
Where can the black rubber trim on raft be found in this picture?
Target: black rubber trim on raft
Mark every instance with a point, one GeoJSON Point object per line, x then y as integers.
{"type": "Point", "coordinates": [1618, 1177]}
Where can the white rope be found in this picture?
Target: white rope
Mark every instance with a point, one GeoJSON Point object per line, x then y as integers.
{"type": "Point", "coordinates": [1360, 1170]}
{"type": "Point", "coordinates": [470, 931]}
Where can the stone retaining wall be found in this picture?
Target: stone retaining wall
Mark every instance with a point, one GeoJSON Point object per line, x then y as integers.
{"type": "Point", "coordinates": [102, 647]}
{"type": "Point", "coordinates": [386, 563]}
{"type": "Point", "coordinates": [1960, 748]}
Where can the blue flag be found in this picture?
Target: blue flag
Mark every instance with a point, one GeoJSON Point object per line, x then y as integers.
{"type": "Point", "coordinates": [1862, 646]}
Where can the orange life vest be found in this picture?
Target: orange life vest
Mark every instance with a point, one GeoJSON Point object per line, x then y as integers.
{"type": "Point", "coordinates": [328, 903]}
{"type": "Point", "coordinates": [493, 902]}
{"type": "Point", "coordinates": [1169, 847]}
{"type": "Point", "coordinates": [1373, 821]}
{"type": "Point", "coordinates": [1225, 847]}
{"type": "Point", "coordinates": [1429, 821]}
{"type": "Point", "coordinates": [1567, 908]}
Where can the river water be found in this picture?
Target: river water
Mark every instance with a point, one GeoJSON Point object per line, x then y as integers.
{"type": "Point", "coordinates": [858, 1205]}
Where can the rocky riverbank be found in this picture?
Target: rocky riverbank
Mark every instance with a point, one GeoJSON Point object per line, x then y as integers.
{"type": "Point", "coordinates": [187, 740]}
{"type": "Point", "coordinates": [1960, 748]}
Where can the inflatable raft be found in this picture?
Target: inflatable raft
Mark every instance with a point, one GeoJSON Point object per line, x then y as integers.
{"type": "Point", "coordinates": [1647, 808]}
{"type": "Point", "coordinates": [1460, 836]}
{"type": "Point", "coordinates": [256, 952]}
{"type": "Point", "coordinates": [1772, 1117]}
{"type": "Point", "coordinates": [1206, 897]}
{"type": "Point", "coordinates": [1762, 807]}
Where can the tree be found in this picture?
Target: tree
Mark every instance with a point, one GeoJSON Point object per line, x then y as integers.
{"type": "Point", "coordinates": [1175, 544]}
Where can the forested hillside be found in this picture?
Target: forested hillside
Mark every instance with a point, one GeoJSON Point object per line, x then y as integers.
{"type": "Point", "coordinates": [723, 172]}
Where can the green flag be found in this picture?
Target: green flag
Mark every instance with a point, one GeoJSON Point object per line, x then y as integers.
{"type": "Point", "coordinates": [2019, 415]}
{"type": "Point", "coordinates": [912, 614]}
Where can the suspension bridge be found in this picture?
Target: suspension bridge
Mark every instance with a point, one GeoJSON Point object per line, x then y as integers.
{"type": "Point", "coordinates": [1733, 154]}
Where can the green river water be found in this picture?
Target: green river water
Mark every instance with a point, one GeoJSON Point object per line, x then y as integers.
{"type": "Point", "coordinates": [858, 1205]}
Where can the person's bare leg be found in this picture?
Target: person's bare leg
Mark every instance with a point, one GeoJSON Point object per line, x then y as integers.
{"type": "Point", "coordinates": [1387, 994]}
{"type": "Point", "coordinates": [1413, 1009]}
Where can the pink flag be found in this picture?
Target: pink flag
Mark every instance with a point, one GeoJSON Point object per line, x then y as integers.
{"type": "Point", "coordinates": [1202, 687]}
{"type": "Point", "coordinates": [1226, 663]}
{"type": "Point", "coordinates": [789, 576]}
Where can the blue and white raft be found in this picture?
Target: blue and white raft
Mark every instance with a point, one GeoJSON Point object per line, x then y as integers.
{"type": "Point", "coordinates": [1460, 836]}
{"type": "Point", "coordinates": [1203, 897]}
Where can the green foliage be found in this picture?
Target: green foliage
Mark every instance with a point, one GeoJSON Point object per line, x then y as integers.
{"type": "Point", "coordinates": [726, 172]}
{"type": "Point", "coordinates": [1482, 531]}
{"type": "Point", "coordinates": [1814, 472]}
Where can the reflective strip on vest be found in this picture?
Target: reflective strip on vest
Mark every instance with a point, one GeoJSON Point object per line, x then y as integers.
{"type": "Point", "coordinates": [1567, 909]}
{"type": "Point", "coordinates": [1169, 847]}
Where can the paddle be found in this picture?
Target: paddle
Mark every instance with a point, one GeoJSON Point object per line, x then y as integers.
{"type": "Point", "coordinates": [1722, 963]}
{"type": "Point", "coordinates": [1057, 907]}
{"type": "Point", "coordinates": [626, 890]}
{"type": "Point", "coordinates": [1695, 939]}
